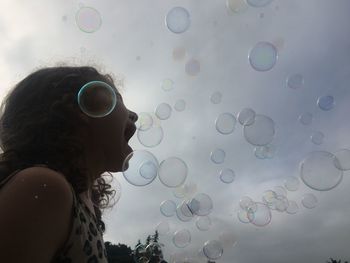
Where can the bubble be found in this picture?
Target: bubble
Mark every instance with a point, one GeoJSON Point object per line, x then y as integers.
{"type": "Point", "coordinates": [201, 204]}
{"type": "Point", "coordinates": [213, 249]}
{"type": "Point", "coordinates": [317, 138]}
{"type": "Point", "coordinates": [217, 156]}
{"type": "Point", "coordinates": [305, 118]}
{"type": "Point", "coordinates": [192, 67]}
{"type": "Point", "coordinates": [185, 190]}
{"type": "Point", "coordinates": [261, 132]}
{"type": "Point", "coordinates": [261, 216]}
{"type": "Point", "coordinates": [309, 201]}
{"type": "Point", "coordinates": [246, 116]}
{"type": "Point", "coordinates": [183, 212]}
{"type": "Point", "coordinates": [258, 3]}
{"type": "Point", "coordinates": [167, 84]}
{"type": "Point", "coordinates": [295, 81]}
{"type": "Point", "coordinates": [326, 103]}
{"type": "Point", "coordinates": [225, 123]}
{"type": "Point", "coordinates": [203, 223]}
{"type": "Point", "coordinates": [242, 216]}
{"type": "Point", "coordinates": [179, 53]}
{"type": "Point", "coordinates": [269, 197]}
{"type": "Point", "coordinates": [342, 160]}
{"type": "Point", "coordinates": [179, 192]}
{"type": "Point", "coordinates": [152, 136]}
{"type": "Point", "coordinates": [163, 228]}
{"type": "Point", "coordinates": [134, 171]}
{"type": "Point", "coordinates": [178, 20]}
{"type": "Point", "coordinates": [291, 183]}
{"type": "Point", "coordinates": [281, 203]}
{"type": "Point", "coordinates": [263, 56]}
{"type": "Point", "coordinates": [154, 249]}
{"type": "Point", "coordinates": [318, 171]}
{"type": "Point", "coordinates": [180, 105]}
{"type": "Point", "coordinates": [258, 152]}
{"type": "Point", "coordinates": [172, 172]}
{"type": "Point", "coordinates": [245, 202]}
{"type": "Point", "coordinates": [280, 190]}
{"type": "Point", "coordinates": [237, 6]}
{"type": "Point", "coordinates": [88, 19]}
{"type": "Point", "coordinates": [216, 97]}
{"type": "Point", "coordinates": [168, 208]}
{"type": "Point", "coordinates": [97, 99]}
{"type": "Point", "coordinates": [144, 121]}
{"type": "Point", "coordinates": [292, 208]}
{"type": "Point", "coordinates": [163, 111]}
{"type": "Point", "coordinates": [227, 176]}
{"type": "Point", "coordinates": [182, 238]}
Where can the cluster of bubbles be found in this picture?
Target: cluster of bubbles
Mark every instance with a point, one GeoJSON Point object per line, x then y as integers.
{"type": "Point", "coordinates": [259, 213]}
{"type": "Point", "coordinates": [319, 170]}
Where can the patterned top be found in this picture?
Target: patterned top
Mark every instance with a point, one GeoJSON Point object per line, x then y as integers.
{"type": "Point", "coordinates": [85, 241]}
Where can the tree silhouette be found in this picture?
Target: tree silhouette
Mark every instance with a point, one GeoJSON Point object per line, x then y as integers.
{"type": "Point", "coordinates": [335, 261]}
{"type": "Point", "coordinates": [150, 252]}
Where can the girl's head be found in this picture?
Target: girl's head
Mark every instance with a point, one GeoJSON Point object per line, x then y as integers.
{"type": "Point", "coordinates": [42, 123]}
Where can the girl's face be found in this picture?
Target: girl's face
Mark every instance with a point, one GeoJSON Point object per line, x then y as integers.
{"type": "Point", "coordinates": [108, 137]}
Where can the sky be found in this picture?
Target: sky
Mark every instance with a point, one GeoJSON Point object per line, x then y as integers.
{"type": "Point", "coordinates": [134, 44]}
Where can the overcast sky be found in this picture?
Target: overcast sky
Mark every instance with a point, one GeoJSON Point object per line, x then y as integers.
{"type": "Point", "coordinates": [133, 42]}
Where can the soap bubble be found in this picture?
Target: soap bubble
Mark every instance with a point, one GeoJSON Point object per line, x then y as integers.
{"type": "Point", "coordinates": [309, 201]}
{"type": "Point", "coordinates": [201, 204]}
{"type": "Point", "coordinates": [168, 208]}
{"type": "Point", "coordinates": [261, 132]}
{"type": "Point", "coordinates": [318, 171]}
{"type": "Point", "coordinates": [167, 84]}
{"type": "Point", "coordinates": [88, 19]}
{"type": "Point", "coordinates": [291, 183]}
{"type": "Point", "coordinates": [246, 116]}
{"type": "Point", "coordinates": [305, 118]}
{"type": "Point", "coordinates": [342, 160]}
{"type": "Point", "coordinates": [213, 249]}
{"type": "Point", "coordinates": [217, 156]}
{"type": "Point", "coordinates": [183, 212]}
{"type": "Point", "coordinates": [152, 136]}
{"type": "Point", "coordinates": [216, 97]}
{"type": "Point", "coordinates": [237, 6]}
{"type": "Point", "coordinates": [326, 103]}
{"type": "Point", "coordinates": [295, 81]}
{"type": "Point", "coordinates": [180, 105]}
{"type": "Point", "coordinates": [242, 216]}
{"type": "Point", "coordinates": [133, 168]}
{"type": "Point", "coordinates": [163, 111]}
{"type": "Point", "coordinates": [163, 228]}
{"type": "Point", "coordinates": [317, 137]}
{"type": "Point", "coordinates": [97, 99]}
{"type": "Point", "coordinates": [173, 172]}
{"type": "Point", "coordinates": [144, 121]}
{"type": "Point", "coordinates": [178, 20]}
{"type": "Point", "coordinates": [261, 216]}
{"type": "Point", "coordinates": [280, 190]}
{"type": "Point", "coordinates": [292, 208]}
{"type": "Point", "coordinates": [225, 123]}
{"type": "Point", "coordinates": [263, 56]}
{"type": "Point", "coordinates": [182, 238]}
{"type": "Point", "coordinates": [227, 175]}
{"type": "Point", "coordinates": [245, 202]}
{"type": "Point", "coordinates": [203, 223]}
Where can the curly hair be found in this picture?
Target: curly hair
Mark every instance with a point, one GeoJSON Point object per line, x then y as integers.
{"type": "Point", "coordinates": [39, 126]}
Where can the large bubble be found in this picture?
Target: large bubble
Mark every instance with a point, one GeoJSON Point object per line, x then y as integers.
{"type": "Point", "coordinates": [263, 56]}
{"type": "Point", "coordinates": [168, 208]}
{"type": "Point", "coordinates": [261, 132]}
{"type": "Point", "coordinates": [97, 99]}
{"type": "Point", "coordinates": [213, 249]}
{"type": "Point", "coordinates": [261, 216]}
{"type": "Point", "coordinates": [140, 168]}
{"type": "Point", "coordinates": [318, 171]}
{"type": "Point", "coordinates": [163, 111]}
{"type": "Point", "coordinates": [151, 136]}
{"type": "Point", "coordinates": [201, 204]}
{"type": "Point", "coordinates": [173, 172]}
{"type": "Point", "coordinates": [178, 20]}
